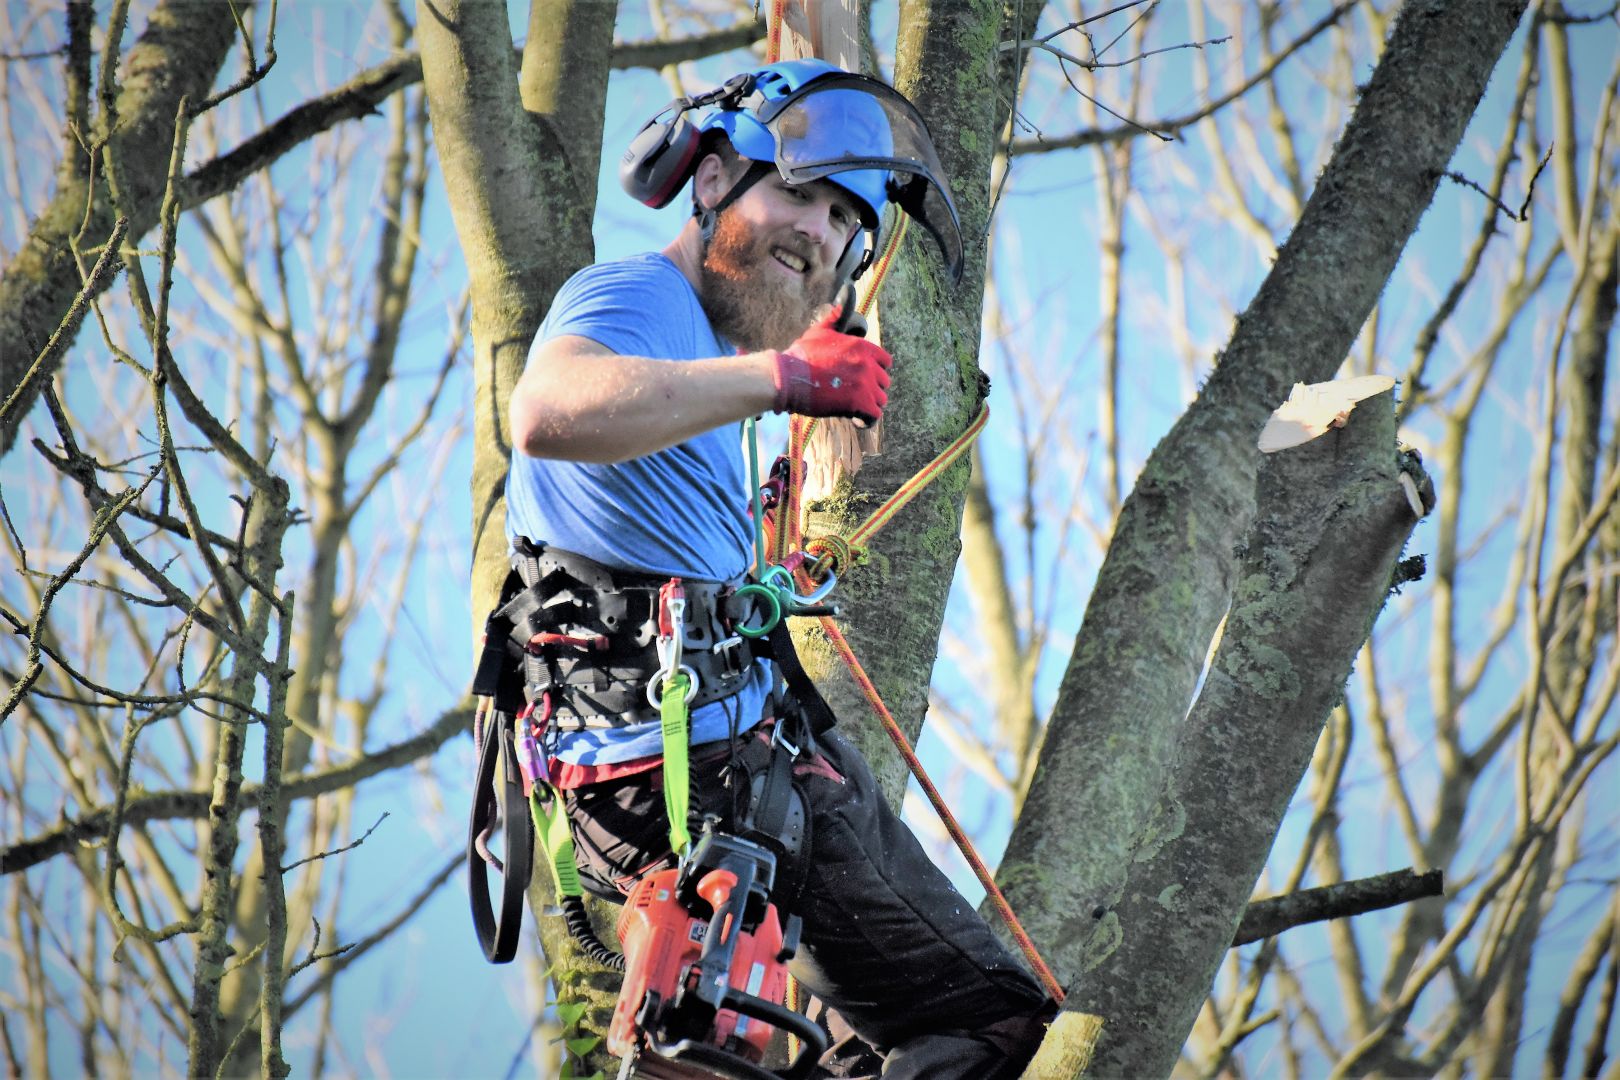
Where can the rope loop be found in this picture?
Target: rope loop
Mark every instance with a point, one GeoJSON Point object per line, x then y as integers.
{"type": "Point", "coordinates": [833, 556]}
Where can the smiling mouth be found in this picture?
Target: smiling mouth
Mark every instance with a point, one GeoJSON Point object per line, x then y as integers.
{"type": "Point", "coordinates": [795, 263]}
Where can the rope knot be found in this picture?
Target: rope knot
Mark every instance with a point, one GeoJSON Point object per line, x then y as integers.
{"type": "Point", "coordinates": [832, 554]}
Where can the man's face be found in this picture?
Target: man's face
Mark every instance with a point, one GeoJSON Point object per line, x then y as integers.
{"type": "Point", "coordinates": [770, 267]}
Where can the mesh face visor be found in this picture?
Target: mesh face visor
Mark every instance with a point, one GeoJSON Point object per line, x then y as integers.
{"type": "Point", "coordinates": [850, 123]}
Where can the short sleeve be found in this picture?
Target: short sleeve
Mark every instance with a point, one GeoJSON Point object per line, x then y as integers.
{"type": "Point", "coordinates": [630, 306]}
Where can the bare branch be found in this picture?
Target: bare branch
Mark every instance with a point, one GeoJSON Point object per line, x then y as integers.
{"type": "Point", "coordinates": [337, 851]}
{"type": "Point", "coordinates": [353, 952]}
{"type": "Point", "coordinates": [163, 805]}
{"type": "Point", "coordinates": [256, 72]}
{"type": "Point", "coordinates": [1523, 213]}
{"type": "Point", "coordinates": [105, 519]}
{"type": "Point", "coordinates": [359, 97]}
{"type": "Point", "coordinates": [107, 266]}
{"type": "Point", "coordinates": [1176, 124]}
{"type": "Point", "coordinates": [1270, 917]}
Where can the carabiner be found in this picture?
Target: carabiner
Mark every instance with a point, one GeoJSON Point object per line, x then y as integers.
{"type": "Point", "coordinates": [671, 625]}
{"type": "Point", "coordinates": [780, 578]}
{"type": "Point", "coordinates": [814, 599]}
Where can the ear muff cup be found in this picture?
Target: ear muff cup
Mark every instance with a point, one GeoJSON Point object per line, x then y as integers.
{"type": "Point", "coordinates": [855, 259]}
{"type": "Point", "coordinates": [659, 160]}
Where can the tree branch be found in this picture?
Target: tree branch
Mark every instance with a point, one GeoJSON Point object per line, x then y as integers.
{"type": "Point", "coordinates": [167, 805]}
{"type": "Point", "coordinates": [348, 954]}
{"type": "Point", "coordinates": [360, 96]}
{"type": "Point", "coordinates": [1169, 127]}
{"type": "Point", "coordinates": [1271, 916]}
{"type": "Point", "coordinates": [107, 266]}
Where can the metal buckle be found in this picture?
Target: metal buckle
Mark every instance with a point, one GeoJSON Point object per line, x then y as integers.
{"type": "Point", "coordinates": [731, 655]}
{"type": "Point", "coordinates": [779, 739]}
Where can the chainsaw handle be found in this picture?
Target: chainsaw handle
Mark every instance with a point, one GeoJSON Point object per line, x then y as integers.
{"type": "Point", "coordinates": [813, 1040]}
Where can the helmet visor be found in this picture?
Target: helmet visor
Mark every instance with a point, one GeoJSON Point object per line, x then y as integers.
{"type": "Point", "coordinates": [850, 123]}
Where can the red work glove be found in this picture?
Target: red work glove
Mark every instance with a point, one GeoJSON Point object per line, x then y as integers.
{"type": "Point", "coordinates": [826, 373]}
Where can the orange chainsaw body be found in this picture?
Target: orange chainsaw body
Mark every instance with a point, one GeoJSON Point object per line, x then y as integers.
{"type": "Point", "coordinates": [663, 941]}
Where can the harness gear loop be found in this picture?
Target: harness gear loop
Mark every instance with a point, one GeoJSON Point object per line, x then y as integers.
{"type": "Point", "coordinates": [497, 801]}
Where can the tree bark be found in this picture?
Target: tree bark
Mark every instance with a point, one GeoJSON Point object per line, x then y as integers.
{"type": "Point", "coordinates": [178, 56]}
{"type": "Point", "coordinates": [522, 213]}
{"type": "Point", "coordinates": [1317, 566]}
{"type": "Point", "coordinates": [1170, 570]}
{"type": "Point", "coordinates": [519, 165]}
{"type": "Point", "coordinates": [893, 605]}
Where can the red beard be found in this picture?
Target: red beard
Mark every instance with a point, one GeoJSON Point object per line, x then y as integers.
{"type": "Point", "coordinates": [747, 300]}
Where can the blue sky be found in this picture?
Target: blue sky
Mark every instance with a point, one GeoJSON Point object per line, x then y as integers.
{"type": "Point", "coordinates": [428, 1005]}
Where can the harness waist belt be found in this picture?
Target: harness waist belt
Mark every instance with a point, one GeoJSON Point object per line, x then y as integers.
{"type": "Point", "coordinates": [588, 635]}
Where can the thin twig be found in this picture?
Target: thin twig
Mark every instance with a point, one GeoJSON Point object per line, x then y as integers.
{"type": "Point", "coordinates": [20, 58]}
{"type": "Point", "coordinates": [103, 521]}
{"type": "Point", "coordinates": [1171, 126]}
{"type": "Point", "coordinates": [256, 72]}
{"type": "Point", "coordinates": [337, 851]}
{"type": "Point", "coordinates": [353, 952]}
{"type": "Point", "coordinates": [1523, 213]}
{"type": "Point", "coordinates": [119, 697]}
{"type": "Point", "coordinates": [1125, 119]}
{"type": "Point", "coordinates": [109, 896]}
{"type": "Point", "coordinates": [165, 805]}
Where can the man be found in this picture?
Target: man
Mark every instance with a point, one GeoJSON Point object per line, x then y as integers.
{"type": "Point", "coordinates": [627, 470]}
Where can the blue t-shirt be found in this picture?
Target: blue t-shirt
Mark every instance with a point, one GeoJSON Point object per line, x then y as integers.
{"type": "Point", "coordinates": [681, 511]}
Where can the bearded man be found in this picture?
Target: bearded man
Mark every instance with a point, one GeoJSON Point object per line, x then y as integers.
{"type": "Point", "coordinates": [627, 471]}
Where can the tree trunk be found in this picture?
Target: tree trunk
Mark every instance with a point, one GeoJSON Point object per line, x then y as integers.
{"type": "Point", "coordinates": [1317, 566]}
{"type": "Point", "coordinates": [893, 605]}
{"type": "Point", "coordinates": [520, 170]}
{"type": "Point", "coordinates": [1170, 571]}
{"type": "Point", "coordinates": [522, 209]}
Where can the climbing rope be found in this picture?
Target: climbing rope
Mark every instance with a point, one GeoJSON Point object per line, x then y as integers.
{"type": "Point", "coordinates": [832, 555]}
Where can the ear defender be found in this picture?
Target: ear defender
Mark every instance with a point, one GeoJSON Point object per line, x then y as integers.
{"type": "Point", "coordinates": [854, 261]}
{"type": "Point", "coordinates": [659, 160]}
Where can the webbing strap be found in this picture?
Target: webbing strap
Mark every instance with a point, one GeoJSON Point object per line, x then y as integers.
{"type": "Point", "coordinates": [551, 829]}
{"type": "Point", "coordinates": [677, 761]}
{"type": "Point", "coordinates": [497, 797]}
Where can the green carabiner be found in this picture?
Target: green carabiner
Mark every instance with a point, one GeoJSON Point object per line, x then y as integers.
{"type": "Point", "coordinates": [772, 601]}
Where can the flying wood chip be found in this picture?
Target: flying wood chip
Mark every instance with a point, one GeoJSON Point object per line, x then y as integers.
{"type": "Point", "coordinates": [1312, 409]}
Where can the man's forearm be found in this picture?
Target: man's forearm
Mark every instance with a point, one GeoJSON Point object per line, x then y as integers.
{"type": "Point", "coordinates": [611, 408]}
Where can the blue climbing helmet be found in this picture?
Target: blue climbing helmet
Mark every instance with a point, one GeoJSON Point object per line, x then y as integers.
{"type": "Point", "coordinates": [812, 121]}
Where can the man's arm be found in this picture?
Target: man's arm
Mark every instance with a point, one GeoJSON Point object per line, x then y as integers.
{"type": "Point", "coordinates": [581, 401]}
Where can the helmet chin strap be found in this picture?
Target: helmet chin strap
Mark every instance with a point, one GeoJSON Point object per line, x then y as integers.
{"type": "Point", "coordinates": [708, 217]}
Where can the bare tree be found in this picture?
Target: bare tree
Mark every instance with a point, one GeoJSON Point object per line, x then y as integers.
{"type": "Point", "coordinates": [231, 350]}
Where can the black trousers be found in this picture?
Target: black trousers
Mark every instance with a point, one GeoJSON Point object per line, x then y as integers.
{"type": "Point", "coordinates": [888, 942]}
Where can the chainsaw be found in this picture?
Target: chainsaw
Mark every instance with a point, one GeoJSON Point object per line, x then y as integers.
{"type": "Point", "coordinates": [705, 970]}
